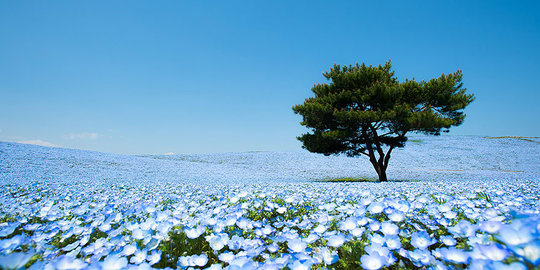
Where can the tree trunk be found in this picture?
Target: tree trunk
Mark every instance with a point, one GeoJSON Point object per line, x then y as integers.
{"type": "Point", "coordinates": [380, 169]}
{"type": "Point", "coordinates": [382, 175]}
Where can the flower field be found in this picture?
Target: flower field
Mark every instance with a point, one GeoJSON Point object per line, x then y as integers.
{"type": "Point", "coordinates": [72, 209]}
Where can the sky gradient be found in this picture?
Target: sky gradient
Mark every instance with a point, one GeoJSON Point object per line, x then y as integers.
{"type": "Point", "coordinates": [152, 77]}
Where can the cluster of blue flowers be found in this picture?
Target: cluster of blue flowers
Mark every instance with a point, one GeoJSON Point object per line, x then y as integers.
{"type": "Point", "coordinates": [298, 226]}
{"type": "Point", "coordinates": [71, 209]}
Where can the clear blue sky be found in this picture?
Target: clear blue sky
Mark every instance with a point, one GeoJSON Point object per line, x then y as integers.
{"type": "Point", "coordinates": [219, 76]}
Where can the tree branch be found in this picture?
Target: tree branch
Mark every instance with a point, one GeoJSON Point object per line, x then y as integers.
{"type": "Point", "coordinates": [377, 143]}
{"type": "Point", "coordinates": [369, 147]}
{"type": "Point", "coordinates": [387, 157]}
{"type": "Point", "coordinates": [366, 154]}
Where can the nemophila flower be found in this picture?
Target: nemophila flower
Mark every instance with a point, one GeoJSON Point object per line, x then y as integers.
{"type": "Point", "coordinates": [230, 220]}
{"type": "Point", "coordinates": [200, 260]}
{"type": "Point", "coordinates": [453, 255]}
{"type": "Point", "coordinates": [69, 263]}
{"type": "Point", "coordinates": [376, 207]}
{"type": "Point", "coordinates": [226, 257]}
{"type": "Point", "coordinates": [217, 241]}
{"type": "Point", "coordinates": [114, 262]}
{"type": "Point", "coordinates": [311, 238]}
{"type": "Point", "coordinates": [14, 260]}
{"type": "Point", "coordinates": [211, 221]}
{"type": "Point", "coordinates": [296, 245]}
{"type": "Point", "coordinates": [490, 226]}
{"type": "Point", "coordinates": [366, 200]}
{"type": "Point", "coordinates": [193, 233]}
{"type": "Point", "coordinates": [373, 261]}
{"type": "Point", "coordinates": [423, 199]}
{"type": "Point", "coordinates": [393, 242]}
{"type": "Point", "coordinates": [139, 234]}
{"type": "Point", "coordinates": [491, 213]}
{"type": "Point", "coordinates": [253, 251]}
{"type": "Point", "coordinates": [396, 216]}
{"type": "Point", "coordinates": [272, 248]}
{"type": "Point", "coordinates": [359, 211]}
{"type": "Point", "coordinates": [71, 246]}
{"type": "Point", "coordinates": [138, 257]}
{"type": "Point", "coordinates": [320, 229]}
{"type": "Point", "coordinates": [154, 257]}
{"type": "Point", "coordinates": [513, 235]}
{"type": "Point", "coordinates": [389, 228]}
{"type": "Point", "coordinates": [420, 257]}
{"type": "Point", "coordinates": [336, 240]}
{"type": "Point", "coordinates": [9, 229]}
{"type": "Point", "coordinates": [283, 260]}
{"type": "Point", "coordinates": [445, 207]}
{"type": "Point", "coordinates": [478, 264]}
{"type": "Point", "coordinates": [530, 251]}
{"type": "Point", "coordinates": [184, 262]}
{"type": "Point", "coordinates": [240, 262]}
{"type": "Point", "coordinates": [450, 214]}
{"type": "Point", "coordinates": [421, 240]}
{"type": "Point", "coordinates": [374, 225]}
{"type": "Point", "coordinates": [463, 229]}
{"type": "Point", "coordinates": [377, 238]}
{"type": "Point", "coordinates": [511, 266]}
{"type": "Point", "coordinates": [444, 222]}
{"type": "Point", "coordinates": [357, 232]}
{"type": "Point", "coordinates": [492, 252]}
{"type": "Point", "coordinates": [348, 224]}
{"type": "Point", "coordinates": [163, 228]}
{"type": "Point", "coordinates": [215, 266]}
{"type": "Point", "coordinates": [32, 227]}
{"type": "Point", "coordinates": [448, 240]}
{"type": "Point", "coordinates": [377, 248]}
{"type": "Point", "coordinates": [129, 249]}
{"type": "Point", "coordinates": [363, 221]}
{"type": "Point", "coordinates": [299, 265]}
{"type": "Point", "coordinates": [327, 256]}
{"type": "Point", "coordinates": [11, 243]}
{"type": "Point", "coordinates": [243, 223]}
{"type": "Point", "coordinates": [235, 242]}
{"type": "Point", "coordinates": [266, 230]}
{"type": "Point", "coordinates": [153, 243]}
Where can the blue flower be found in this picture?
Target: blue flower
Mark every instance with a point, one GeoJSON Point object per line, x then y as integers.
{"type": "Point", "coordinates": [336, 240]}
{"type": "Point", "coordinates": [493, 252]}
{"type": "Point", "coordinates": [448, 240]}
{"type": "Point", "coordinates": [14, 260]}
{"type": "Point", "coordinates": [296, 245]}
{"type": "Point", "coordinates": [421, 240]}
{"type": "Point", "coordinates": [373, 261]}
{"type": "Point", "coordinates": [454, 255]}
{"type": "Point", "coordinates": [420, 257]}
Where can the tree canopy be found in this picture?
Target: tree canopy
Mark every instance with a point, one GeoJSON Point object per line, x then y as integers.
{"type": "Point", "coordinates": [365, 110]}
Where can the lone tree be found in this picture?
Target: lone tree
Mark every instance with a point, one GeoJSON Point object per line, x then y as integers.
{"type": "Point", "coordinates": [365, 110]}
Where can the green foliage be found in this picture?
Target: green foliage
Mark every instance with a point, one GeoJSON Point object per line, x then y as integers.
{"type": "Point", "coordinates": [60, 243]}
{"type": "Point", "coordinates": [438, 200]}
{"type": "Point", "coordinates": [293, 211]}
{"type": "Point", "coordinates": [356, 179]}
{"type": "Point", "coordinates": [483, 195]}
{"type": "Point", "coordinates": [346, 179]}
{"type": "Point", "coordinates": [179, 245]}
{"type": "Point", "coordinates": [96, 234]}
{"type": "Point", "coordinates": [349, 255]}
{"type": "Point", "coordinates": [365, 109]}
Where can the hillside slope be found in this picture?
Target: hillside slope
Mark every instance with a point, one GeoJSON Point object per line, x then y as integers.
{"type": "Point", "coordinates": [424, 158]}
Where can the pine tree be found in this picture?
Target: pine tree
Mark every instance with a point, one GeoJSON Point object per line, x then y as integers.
{"type": "Point", "coordinates": [365, 110]}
